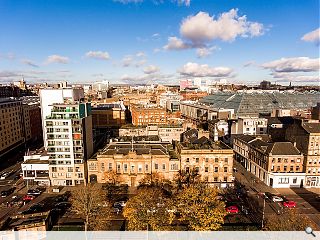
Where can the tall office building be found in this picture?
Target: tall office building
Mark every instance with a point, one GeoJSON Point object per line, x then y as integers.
{"type": "Point", "coordinates": [68, 131]}
{"type": "Point", "coordinates": [49, 96]}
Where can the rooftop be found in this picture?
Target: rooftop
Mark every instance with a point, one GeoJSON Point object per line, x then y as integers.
{"type": "Point", "coordinates": [311, 127]}
{"type": "Point", "coordinates": [245, 103]}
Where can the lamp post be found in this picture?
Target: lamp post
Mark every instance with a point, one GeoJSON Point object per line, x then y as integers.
{"type": "Point", "coordinates": [263, 210]}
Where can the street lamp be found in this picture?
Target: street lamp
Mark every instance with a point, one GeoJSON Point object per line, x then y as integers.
{"type": "Point", "coordinates": [263, 209]}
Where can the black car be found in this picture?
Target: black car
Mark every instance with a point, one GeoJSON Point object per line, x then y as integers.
{"type": "Point", "coordinates": [6, 193]}
{"type": "Point", "coordinates": [34, 192]}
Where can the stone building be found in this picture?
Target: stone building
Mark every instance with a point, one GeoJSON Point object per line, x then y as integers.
{"type": "Point", "coordinates": [277, 164]}
{"type": "Point", "coordinates": [306, 136]}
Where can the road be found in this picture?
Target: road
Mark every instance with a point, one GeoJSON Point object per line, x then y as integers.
{"type": "Point", "coordinates": [307, 205]}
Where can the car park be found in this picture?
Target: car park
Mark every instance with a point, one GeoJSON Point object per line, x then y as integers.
{"type": "Point", "coordinates": [232, 209]}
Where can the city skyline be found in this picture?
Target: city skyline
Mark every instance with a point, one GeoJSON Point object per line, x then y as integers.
{"type": "Point", "coordinates": [136, 41]}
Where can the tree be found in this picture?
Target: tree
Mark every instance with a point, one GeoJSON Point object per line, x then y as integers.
{"type": "Point", "coordinates": [187, 178]}
{"type": "Point", "coordinates": [90, 202]}
{"type": "Point", "coordinates": [112, 177]}
{"type": "Point", "coordinates": [149, 209]}
{"type": "Point", "coordinates": [290, 220]}
{"type": "Point", "coordinates": [198, 205]}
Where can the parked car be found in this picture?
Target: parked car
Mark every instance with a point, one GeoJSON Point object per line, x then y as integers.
{"type": "Point", "coordinates": [6, 193]}
{"type": "Point", "coordinates": [120, 203]}
{"type": "Point", "coordinates": [62, 205]}
{"type": "Point", "coordinates": [289, 204]}
{"type": "Point", "coordinates": [277, 199]}
{"type": "Point", "coordinates": [34, 192]}
{"type": "Point", "coordinates": [4, 176]}
{"type": "Point", "coordinates": [28, 197]}
{"type": "Point", "coordinates": [232, 209]}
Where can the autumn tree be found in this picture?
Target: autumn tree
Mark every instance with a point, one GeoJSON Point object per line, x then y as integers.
{"type": "Point", "coordinates": [90, 202]}
{"type": "Point", "coordinates": [149, 210]}
{"type": "Point", "coordinates": [198, 205]}
{"type": "Point", "coordinates": [188, 178]}
{"type": "Point", "coordinates": [290, 220]}
{"type": "Point", "coordinates": [112, 177]}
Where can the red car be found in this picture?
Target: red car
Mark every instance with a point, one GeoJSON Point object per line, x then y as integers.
{"type": "Point", "coordinates": [28, 197]}
{"type": "Point", "coordinates": [289, 204]}
{"type": "Point", "coordinates": [232, 209]}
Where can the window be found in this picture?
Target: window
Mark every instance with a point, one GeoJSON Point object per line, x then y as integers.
{"type": "Point", "coordinates": [125, 167]}
{"type": "Point", "coordinates": [132, 168]}
{"type": "Point", "coordinates": [80, 175]}
{"type": "Point", "coordinates": [291, 168]}
{"type": "Point", "coordinates": [297, 168]}
{"type": "Point", "coordinates": [279, 160]}
{"type": "Point", "coordinates": [197, 169]}
{"type": "Point", "coordinates": [216, 169]}
{"type": "Point", "coordinates": [226, 160]}
{"type": "Point", "coordinates": [174, 166]}
{"type": "Point", "coordinates": [285, 168]}
{"type": "Point", "coordinates": [207, 159]}
{"type": "Point", "coordinates": [215, 179]}
{"type": "Point", "coordinates": [206, 169]}
{"type": "Point", "coordinates": [206, 179]}
{"type": "Point", "coordinates": [156, 166]}
{"type": "Point", "coordinates": [140, 168]}
{"type": "Point", "coordinates": [147, 168]}
{"type": "Point", "coordinates": [216, 160]}
{"type": "Point", "coordinates": [102, 167]}
{"type": "Point", "coordinates": [70, 169]}
{"type": "Point", "coordinates": [294, 180]}
{"type": "Point", "coordinates": [187, 160]}
{"type": "Point", "coordinates": [225, 179]}
{"type": "Point", "coordinates": [292, 161]}
{"type": "Point", "coordinates": [225, 169]}
{"type": "Point", "coordinates": [283, 180]}
{"type": "Point", "coordinates": [197, 160]}
{"type": "Point", "coordinates": [118, 168]}
{"type": "Point", "coordinates": [54, 169]}
{"type": "Point", "coordinates": [110, 167]}
{"type": "Point", "coordinates": [278, 168]}
{"type": "Point", "coordinates": [163, 166]}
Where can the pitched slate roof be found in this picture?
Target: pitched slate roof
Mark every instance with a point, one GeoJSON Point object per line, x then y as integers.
{"type": "Point", "coordinates": [283, 148]}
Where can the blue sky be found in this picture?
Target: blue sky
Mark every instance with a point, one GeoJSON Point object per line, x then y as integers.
{"type": "Point", "coordinates": [143, 41]}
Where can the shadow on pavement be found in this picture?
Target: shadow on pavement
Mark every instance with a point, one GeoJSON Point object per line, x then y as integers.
{"type": "Point", "coordinates": [308, 196]}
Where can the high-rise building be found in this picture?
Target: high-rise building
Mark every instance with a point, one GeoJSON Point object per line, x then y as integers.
{"type": "Point", "coordinates": [68, 141]}
{"type": "Point", "coordinates": [49, 96]}
{"type": "Point", "coordinates": [11, 124]}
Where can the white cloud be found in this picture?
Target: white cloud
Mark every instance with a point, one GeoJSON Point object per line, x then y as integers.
{"type": "Point", "coordinates": [292, 77]}
{"type": "Point", "coordinates": [127, 61]}
{"type": "Point", "coordinates": [140, 54]}
{"type": "Point", "coordinates": [196, 70]}
{"type": "Point", "coordinates": [155, 35]}
{"type": "Point", "coordinates": [29, 63]}
{"type": "Point", "coordinates": [136, 60]}
{"type": "Point", "coordinates": [98, 55]}
{"type": "Point", "coordinates": [313, 36]}
{"type": "Point", "coordinates": [57, 59]}
{"type": "Point", "coordinates": [184, 2]}
{"type": "Point", "coordinates": [8, 56]}
{"type": "Point", "coordinates": [175, 43]}
{"type": "Point", "coordinates": [151, 69]}
{"type": "Point", "coordinates": [296, 64]}
{"type": "Point", "coordinates": [159, 78]}
{"type": "Point", "coordinates": [249, 63]}
{"type": "Point", "coordinates": [227, 27]}
{"type": "Point", "coordinates": [156, 50]}
{"type": "Point", "coordinates": [206, 51]}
